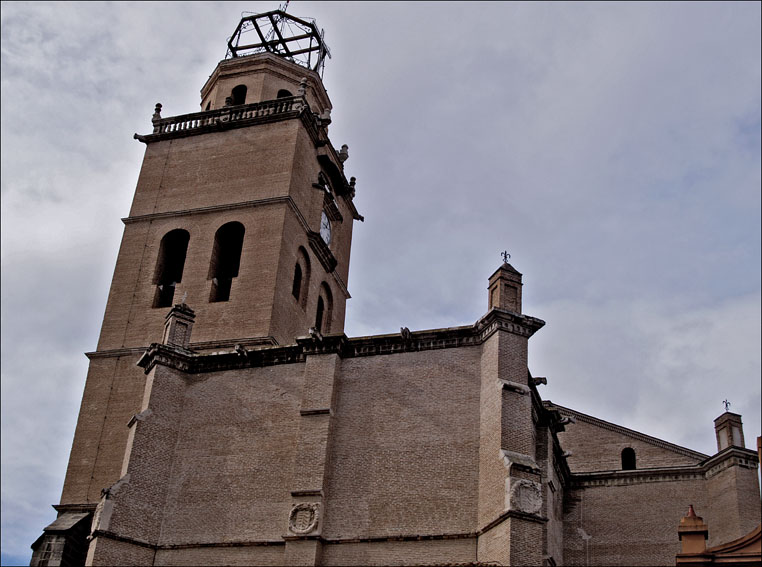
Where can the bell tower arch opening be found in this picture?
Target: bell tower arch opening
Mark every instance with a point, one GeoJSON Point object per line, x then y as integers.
{"type": "Point", "coordinates": [169, 266]}
{"type": "Point", "coordinates": [226, 259]}
{"type": "Point", "coordinates": [238, 95]}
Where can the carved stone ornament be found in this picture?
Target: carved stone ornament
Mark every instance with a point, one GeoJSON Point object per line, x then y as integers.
{"type": "Point", "coordinates": [303, 518]}
{"type": "Point", "coordinates": [526, 496]}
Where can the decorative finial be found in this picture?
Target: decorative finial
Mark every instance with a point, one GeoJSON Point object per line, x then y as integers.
{"type": "Point", "coordinates": [691, 511]}
{"type": "Point", "coordinates": [344, 153]}
{"type": "Point", "coordinates": [302, 87]}
{"type": "Point", "coordinates": [727, 404]}
{"type": "Point", "coordinates": [185, 296]}
{"type": "Point", "coordinates": [505, 256]}
{"type": "Point", "coordinates": [156, 112]}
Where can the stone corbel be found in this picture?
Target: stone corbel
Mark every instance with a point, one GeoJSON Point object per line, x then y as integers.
{"type": "Point", "coordinates": [514, 387]}
{"type": "Point", "coordinates": [511, 458]}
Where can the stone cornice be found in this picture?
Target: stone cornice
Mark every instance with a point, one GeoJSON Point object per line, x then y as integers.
{"type": "Point", "coordinates": [217, 208]}
{"type": "Point", "coordinates": [406, 341]}
{"type": "Point", "coordinates": [114, 352]}
{"type": "Point", "coordinates": [206, 345]}
{"type": "Point", "coordinates": [74, 507]}
{"type": "Point", "coordinates": [730, 457]}
{"type": "Point", "coordinates": [503, 320]}
{"type": "Point", "coordinates": [192, 363]}
{"type": "Point", "coordinates": [628, 432]}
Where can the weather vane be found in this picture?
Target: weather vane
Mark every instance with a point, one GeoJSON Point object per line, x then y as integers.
{"type": "Point", "coordinates": [727, 404]}
{"type": "Point", "coordinates": [505, 256]}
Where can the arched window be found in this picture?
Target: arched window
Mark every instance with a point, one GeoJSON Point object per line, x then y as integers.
{"type": "Point", "coordinates": [296, 287]}
{"type": "Point", "coordinates": [300, 285]}
{"type": "Point", "coordinates": [324, 309]}
{"type": "Point", "coordinates": [238, 95]}
{"type": "Point", "coordinates": [169, 266]}
{"type": "Point", "coordinates": [283, 93]}
{"type": "Point", "coordinates": [226, 258]}
{"type": "Point", "coordinates": [628, 459]}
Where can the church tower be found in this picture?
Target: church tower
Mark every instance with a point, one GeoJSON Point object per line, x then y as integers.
{"type": "Point", "coordinates": [241, 211]}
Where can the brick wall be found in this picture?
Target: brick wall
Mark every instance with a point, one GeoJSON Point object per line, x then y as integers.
{"type": "Point", "coordinates": [405, 445]}
{"type": "Point", "coordinates": [596, 448]}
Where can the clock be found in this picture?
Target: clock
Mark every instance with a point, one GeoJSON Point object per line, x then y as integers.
{"type": "Point", "coordinates": [325, 229]}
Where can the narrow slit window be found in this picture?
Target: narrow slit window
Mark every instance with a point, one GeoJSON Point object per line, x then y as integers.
{"type": "Point", "coordinates": [628, 459]}
{"type": "Point", "coordinates": [319, 315]}
{"type": "Point", "coordinates": [226, 259]}
{"type": "Point", "coordinates": [324, 309]}
{"type": "Point", "coordinates": [296, 288]}
{"type": "Point", "coordinates": [301, 283]}
{"type": "Point", "coordinates": [169, 266]}
{"type": "Point", "coordinates": [238, 95]}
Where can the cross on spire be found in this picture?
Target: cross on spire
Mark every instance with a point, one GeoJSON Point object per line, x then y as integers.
{"type": "Point", "coordinates": [505, 256]}
{"type": "Point", "coordinates": [727, 404]}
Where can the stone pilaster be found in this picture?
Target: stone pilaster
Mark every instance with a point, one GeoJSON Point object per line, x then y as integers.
{"type": "Point", "coordinates": [510, 489]}
{"type": "Point", "coordinates": [305, 521]}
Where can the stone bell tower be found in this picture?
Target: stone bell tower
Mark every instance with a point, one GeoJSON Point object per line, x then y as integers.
{"type": "Point", "coordinates": [243, 212]}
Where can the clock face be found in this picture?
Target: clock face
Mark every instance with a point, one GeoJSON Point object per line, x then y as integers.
{"type": "Point", "coordinates": [325, 229]}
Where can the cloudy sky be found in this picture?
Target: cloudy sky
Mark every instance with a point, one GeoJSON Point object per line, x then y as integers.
{"type": "Point", "coordinates": [612, 149]}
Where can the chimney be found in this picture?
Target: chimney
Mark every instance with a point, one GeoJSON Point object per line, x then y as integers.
{"type": "Point", "coordinates": [729, 431]}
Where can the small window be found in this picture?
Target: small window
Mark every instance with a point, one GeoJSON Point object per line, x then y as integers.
{"type": "Point", "coordinates": [169, 266]}
{"type": "Point", "coordinates": [283, 93]}
{"type": "Point", "coordinates": [628, 459]}
{"type": "Point", "coordinates": [296, 287]}
{"type": "Point", "coordinates": [300, 285]}
{"type": "Point", "coordinates": [319, 315]}
{"type": "Point", "coordinates": [209, 105]}
{"type": "Point", "coordinates": [324, 309]}
{"type": "Point", "coordinates": [238, 95]}
{"type": "Point", "coordinates": [226, 259]}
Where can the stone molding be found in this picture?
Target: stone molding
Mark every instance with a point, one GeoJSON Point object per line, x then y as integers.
{"type": "Point", "coordinates": [733, 456]}
{"type": "Point", "coordinates": [61, 508]}
{"type": "Point", "coordinates": [166, 547]}
{"type": "Point", "coordinates": [217, 208]}
{"type": "Point", "coordinates": [417, 341]}
{"type": "Point", "coordinates": [628, 432]}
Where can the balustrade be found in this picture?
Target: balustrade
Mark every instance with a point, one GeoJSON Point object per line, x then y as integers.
{"type": "Point", "coordinates": [228, 114]}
